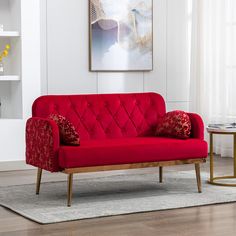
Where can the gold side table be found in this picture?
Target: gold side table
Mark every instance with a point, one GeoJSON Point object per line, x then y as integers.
{"type": "Point", "coordinates": [214, 180]}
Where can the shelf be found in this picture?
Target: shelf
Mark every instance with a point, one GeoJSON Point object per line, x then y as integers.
{"type": "Point", "coordinates": [9, 78]}
{"type": "Point", "coordinates": [9, 119]}
{"type": "Point", "coordinates": [9, 34]}
{"type": "Point", "coordinates": [11, 81]}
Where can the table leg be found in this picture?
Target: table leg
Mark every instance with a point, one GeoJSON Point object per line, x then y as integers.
{"type": "Point", "coordinates": [211, 158]}
{"type": "Point", "coordinates": [234, 155]}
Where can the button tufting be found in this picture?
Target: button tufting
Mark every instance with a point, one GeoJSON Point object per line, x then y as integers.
{"type": "Point", "coordinates": [91, 131]}
{"type": "Point", "coordinates": [152, 103]}
{"type": "Point", "coordinates": [140, 113]}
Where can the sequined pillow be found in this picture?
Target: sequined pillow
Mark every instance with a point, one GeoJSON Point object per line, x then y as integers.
{"type": "Point", "coordinates": [68, 133]}
{"type": "Point", "coordinates": [175, 124]}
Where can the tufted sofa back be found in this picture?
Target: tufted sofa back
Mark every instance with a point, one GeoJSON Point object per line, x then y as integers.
{"type": "Point", "coordinates": [105, 115]}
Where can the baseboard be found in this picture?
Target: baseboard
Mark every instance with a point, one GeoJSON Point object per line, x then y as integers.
{"type": "Point", "coordinates": [14, 165]}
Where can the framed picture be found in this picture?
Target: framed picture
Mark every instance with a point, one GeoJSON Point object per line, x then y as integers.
{"type": "Point", "coordinates": [121, 35]}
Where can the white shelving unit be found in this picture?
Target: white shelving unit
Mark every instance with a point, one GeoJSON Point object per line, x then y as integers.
{"type": "Point", "coordinates": [10, 82]}
{"type": "Point", "coordinates": [9, 34]}
{"type": "Point", "coordinates": [9, 78]}
{"type": "Point", "coordinates": [20, 85]}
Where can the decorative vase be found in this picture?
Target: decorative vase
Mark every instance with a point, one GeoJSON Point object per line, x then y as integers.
{"type": "Point", "coordinates": [1, 68]}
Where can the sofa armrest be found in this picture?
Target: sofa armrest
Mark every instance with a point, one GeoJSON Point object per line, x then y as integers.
{"type": "Point", "coordinates": [42, 143]}
{"type": "Point", "coordinates": [197, 130]}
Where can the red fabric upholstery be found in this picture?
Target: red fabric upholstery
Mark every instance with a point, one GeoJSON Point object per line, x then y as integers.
{"type": "Point", "coordinates": [130, 150]}
{"type": "Point", "coordinates": [113, 129]}
{"type": "Point", "coordinates": [105, 116]}
{"type": "Point", "coordinates": [197, 126]}
{"type": "Point", "coordinates": [174, 124]}
{"type": "Point", "coordinates": [42, 143]}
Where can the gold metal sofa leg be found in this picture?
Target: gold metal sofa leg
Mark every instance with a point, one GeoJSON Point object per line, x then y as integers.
{"type": "Point", "coordinates": [69, 191]}
{"type": "Point", "coordinates": [39, 177]}
{"type": "Point", "coordinates": [198, 177]}
{"type": "Point", "coordinates": [160, 174]}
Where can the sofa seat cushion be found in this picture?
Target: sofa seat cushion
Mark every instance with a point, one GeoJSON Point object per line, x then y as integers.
{"type": "Point", "coordinates": [130, 150]}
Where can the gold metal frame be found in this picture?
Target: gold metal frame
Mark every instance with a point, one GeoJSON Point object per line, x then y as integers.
{"type": "Point", "coordinates": [39, 177]}
{"type": "Point", "coordinates": [214, 180]}
{"type": "Point", "coordinates": [90, 47]}
{"type": "Point", "coordinates": [161, 164]}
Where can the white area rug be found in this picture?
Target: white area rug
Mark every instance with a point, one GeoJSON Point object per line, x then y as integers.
{"type": "Point", "coordinates": [109, 196]}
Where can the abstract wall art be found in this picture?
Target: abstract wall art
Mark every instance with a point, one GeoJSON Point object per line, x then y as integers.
{"type": "Point", "coordinates": [121, 35]}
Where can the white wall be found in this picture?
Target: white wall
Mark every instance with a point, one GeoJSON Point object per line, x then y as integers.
{"type": "Point", "coordinates": [64, 60]}
{"type": "Point", "coordinates": [66, 46]}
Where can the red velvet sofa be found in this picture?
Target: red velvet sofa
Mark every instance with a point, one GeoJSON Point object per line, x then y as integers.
{"type": "Point", "coordinates": [116, 132]}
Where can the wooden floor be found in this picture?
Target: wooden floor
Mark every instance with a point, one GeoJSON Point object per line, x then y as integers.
{"type": "Point", "coordinates": [212, 220]}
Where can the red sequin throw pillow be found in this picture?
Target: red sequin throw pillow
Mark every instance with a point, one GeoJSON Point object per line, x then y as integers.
{"type": "Point", "coordinates": [174, 124]}
{"type": "Point", "coordinates": [68, 133]}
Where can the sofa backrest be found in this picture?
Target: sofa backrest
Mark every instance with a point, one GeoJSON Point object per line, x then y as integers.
{"type": "Point", "coordinates": [105, 115]}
